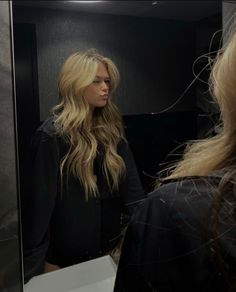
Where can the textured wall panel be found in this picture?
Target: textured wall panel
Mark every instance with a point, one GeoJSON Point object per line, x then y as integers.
{"type": "Point", "coordinates": [154, 56]}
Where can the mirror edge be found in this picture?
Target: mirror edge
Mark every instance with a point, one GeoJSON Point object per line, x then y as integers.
{"type": "Point", "coordinates": [11, 264]}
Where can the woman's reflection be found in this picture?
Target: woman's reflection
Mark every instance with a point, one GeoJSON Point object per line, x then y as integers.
{"type": "Point", "coordinates": [83, 174]}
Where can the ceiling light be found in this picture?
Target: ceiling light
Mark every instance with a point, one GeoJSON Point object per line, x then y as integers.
{"type": "Point", "coordinates": [154, 2]}
{"type": "Point", "coordinates": [88, 1]}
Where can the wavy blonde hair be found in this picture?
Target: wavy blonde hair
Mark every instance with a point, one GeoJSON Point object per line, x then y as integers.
{"type": "Point", "coordinates": [218, 153]}
{"type": "Point", "coordinates": [72, 117]}
{"type": "Point", "coordinates": [204, 156]}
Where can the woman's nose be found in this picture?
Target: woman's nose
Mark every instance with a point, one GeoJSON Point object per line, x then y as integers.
{"type": "Point", "coordinates": [105, 86]}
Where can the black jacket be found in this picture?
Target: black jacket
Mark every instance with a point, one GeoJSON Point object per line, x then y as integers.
{"type": "Point", "coordinates": [59, 225]}
{"type": "Point", "coordinates": [167, 245]}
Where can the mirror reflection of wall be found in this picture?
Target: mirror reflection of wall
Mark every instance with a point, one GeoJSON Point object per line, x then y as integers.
{"type": "Point", "coordinates": [154, 55]}
{"type": "Point", "coordinates": [154, 49]}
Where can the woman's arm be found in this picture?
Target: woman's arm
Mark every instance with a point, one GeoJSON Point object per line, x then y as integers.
{"type": "Point", "coordinates": [38, 203]}
{"type": "Point", "coordinates": [131, 189]}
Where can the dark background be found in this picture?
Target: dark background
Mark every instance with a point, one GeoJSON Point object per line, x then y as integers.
{"type": "Point", "coordinates": [154, 57]}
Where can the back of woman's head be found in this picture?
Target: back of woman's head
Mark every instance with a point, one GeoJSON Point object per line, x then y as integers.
{"type": "Point", "coordinates": [201, 157]}
{"type": "Point", "coordinates": [223, 85]}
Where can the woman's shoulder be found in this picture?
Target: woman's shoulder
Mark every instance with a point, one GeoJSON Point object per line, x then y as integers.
{"type": "Point", "coordinates": [45, 134]}
{"type": "Point", "coordinates": [186, 186]}
{"type": "Point", "coordinates": [182, 194]}
{"type": "Point", "coordinates": [47, 127]}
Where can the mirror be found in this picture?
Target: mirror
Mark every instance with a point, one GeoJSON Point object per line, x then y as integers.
{"type": "Point", "coordinates": [153, 43]}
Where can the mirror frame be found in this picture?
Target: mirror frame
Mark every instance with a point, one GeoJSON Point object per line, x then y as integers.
{"type": "Point", "coordinates": [9, 176]}
{"type": "Point", "coordinates": [11, 269]}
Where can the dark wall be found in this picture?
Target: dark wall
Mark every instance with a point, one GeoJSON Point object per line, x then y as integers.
{"type": "Point", "coordinates": [208, 42]}
{"type": "Point", "coordinates": [152, 138]}
{"type": "Point", "coordinates": [154, 56]}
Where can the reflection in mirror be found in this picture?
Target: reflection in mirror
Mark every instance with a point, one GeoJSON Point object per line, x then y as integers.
{"type": "Point", "coordinates": [154, 46]}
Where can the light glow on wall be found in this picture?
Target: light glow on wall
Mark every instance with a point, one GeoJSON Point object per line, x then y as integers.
{"type": "Point", "coordinates": [88, 2]}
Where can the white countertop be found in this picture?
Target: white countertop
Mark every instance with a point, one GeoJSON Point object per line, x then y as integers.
{"type": "Point", "coordinates": [95, 275]}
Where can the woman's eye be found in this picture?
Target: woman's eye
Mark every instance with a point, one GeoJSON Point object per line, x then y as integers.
{"type": "Point", "coordinates": [108, 81]}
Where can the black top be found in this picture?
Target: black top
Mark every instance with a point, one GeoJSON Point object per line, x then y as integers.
{"type": "Point", "coordinates": [58, 222]}
{"type": "Point", "coordinates": [167, 245]}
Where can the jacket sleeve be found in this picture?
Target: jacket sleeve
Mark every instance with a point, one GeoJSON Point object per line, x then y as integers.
{"type": "Point", "coordinates": [38, 204]}
{"type": "Point", "coordinates": [129, 277]}
{"type": "Point", "coordinates": [165, 244]}
{"type": "Point", "coordinates": [148, 237]}
{"type": "Point", "coordinates": [131, 189]}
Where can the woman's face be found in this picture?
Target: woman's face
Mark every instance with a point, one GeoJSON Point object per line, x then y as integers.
{"type": "Point", "coordinates": [97, 93]}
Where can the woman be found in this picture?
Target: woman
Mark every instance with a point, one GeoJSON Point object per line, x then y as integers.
{"type": "Point", "coordinates": [84, 175]}
{"type": "Point", "coordinates": [183, 236]}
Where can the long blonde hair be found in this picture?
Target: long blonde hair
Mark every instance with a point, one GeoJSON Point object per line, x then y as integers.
{"type": "Point", "coordinates": [72, 118]}
{"type": "Point", "coordinates": [204, 156]}
{"type": "Point", "coordinates": [217, 153]}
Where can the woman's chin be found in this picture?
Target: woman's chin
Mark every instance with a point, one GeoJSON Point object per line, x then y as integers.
{"type": "Point", "coordinates": [102, 103]}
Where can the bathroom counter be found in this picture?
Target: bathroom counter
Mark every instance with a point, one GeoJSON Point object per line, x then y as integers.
{"type": "Point", "coordinates": [95, 275]}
